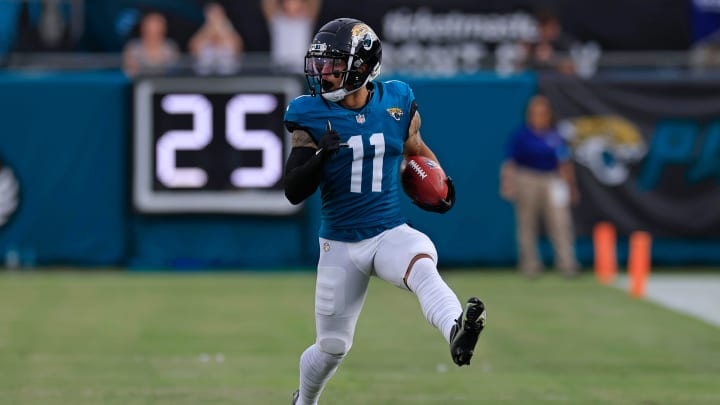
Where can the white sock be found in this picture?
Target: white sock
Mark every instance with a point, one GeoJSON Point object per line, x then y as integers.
{"type": "Point", "coordinates": [316, 368]}
{"type": "Point", "coordinates": [439, 303]}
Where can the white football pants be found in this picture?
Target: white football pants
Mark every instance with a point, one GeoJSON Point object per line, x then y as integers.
{"type": "Point", "coordinates": [344, 270]}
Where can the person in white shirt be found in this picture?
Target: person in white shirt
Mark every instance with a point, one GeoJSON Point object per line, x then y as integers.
{"type": "Point", "coordinates": [216, 47]}
{"type": "Point", "coordinates": [291, 24]}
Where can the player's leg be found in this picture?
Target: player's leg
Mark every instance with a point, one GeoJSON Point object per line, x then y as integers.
{"type": "Point", "coordinates": [340, 292]}
{"type": "Point", "coordinates": [407, 258]}
{"type": "Point", "coordinates": [438, 302]}
{"type": "Point", "coordinates": [466, 331]}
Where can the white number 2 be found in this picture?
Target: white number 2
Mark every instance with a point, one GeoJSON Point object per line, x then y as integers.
{"type": "Point", "coordinates": [195, 139]}
{"type": "Point", "coordinates": [355, 143]}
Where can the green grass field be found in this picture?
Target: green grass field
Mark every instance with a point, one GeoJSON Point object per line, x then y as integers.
{"type": "Point", "coordinates": [76, 338]}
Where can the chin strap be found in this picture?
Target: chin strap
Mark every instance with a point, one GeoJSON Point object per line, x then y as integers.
{"type": "Point", "coordinates": [341, 93]}
{"type": "Point", "coordinates": [335, 95]}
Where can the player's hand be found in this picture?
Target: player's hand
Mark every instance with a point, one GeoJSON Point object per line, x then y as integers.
{"type": "Point", "coordinates": [329, 143]}
{"type": "Point", "coordinates": [442, 206]}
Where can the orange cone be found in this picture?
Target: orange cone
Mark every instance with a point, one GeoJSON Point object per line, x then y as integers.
{"type": "Point", "coordinates": [639, 263]}
{"type": "Point", "coordinates": [604, 241]}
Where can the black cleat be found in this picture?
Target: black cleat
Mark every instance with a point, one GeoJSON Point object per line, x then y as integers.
{"type": "Point", "coordinates": [295, 397]}
{"type": "Point", "coordinates": [466, 331]}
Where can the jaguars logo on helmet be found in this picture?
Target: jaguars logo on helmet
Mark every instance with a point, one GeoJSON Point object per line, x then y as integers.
{"type": "Point", "coordinates": [353, 50]}
{"type": "Point", "coordinates": [606, 145]}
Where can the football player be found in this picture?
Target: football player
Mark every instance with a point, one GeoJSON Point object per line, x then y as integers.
{"type": "Point", "coordinates": [349, 138]}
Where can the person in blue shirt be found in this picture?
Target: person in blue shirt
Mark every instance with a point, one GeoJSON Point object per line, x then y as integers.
{"type": "Point", "coordinates": [538, 177]}
{"type": "Point", "coordinates": [350, 142]}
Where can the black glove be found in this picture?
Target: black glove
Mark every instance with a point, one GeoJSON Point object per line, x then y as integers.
{"type": "Point", "coordinates": [329, 143]}
{"type": "Point", "coordinates": [442, 206]}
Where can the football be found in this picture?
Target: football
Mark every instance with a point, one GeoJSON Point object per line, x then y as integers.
{"type": "Point", "coordinates": [424, 180]}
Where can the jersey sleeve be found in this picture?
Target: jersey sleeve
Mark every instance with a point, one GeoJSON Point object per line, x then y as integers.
{"type": "Point", "coordinates": [302, 113]}
{"type": "Point", "coordinates": [292, 118]}
{"type": "Point", "coordinates": [405, 98]}
{"type": "Point", "coordinates": [404, 94]}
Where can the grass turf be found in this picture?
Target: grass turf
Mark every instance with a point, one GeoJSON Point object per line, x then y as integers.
{"type": "Point", "coordinates": [235, 338]}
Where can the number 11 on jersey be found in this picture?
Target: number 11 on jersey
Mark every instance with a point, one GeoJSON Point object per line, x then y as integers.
{"type": "Point", "coordinates": [377, 140]}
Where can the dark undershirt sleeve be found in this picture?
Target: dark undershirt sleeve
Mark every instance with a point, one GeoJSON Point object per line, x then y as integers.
{"type": "Point", "coordinates": [303, 172]}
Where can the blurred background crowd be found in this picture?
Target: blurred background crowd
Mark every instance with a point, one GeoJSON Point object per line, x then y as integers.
{"type": "Point", "coordinates": [441, 37]}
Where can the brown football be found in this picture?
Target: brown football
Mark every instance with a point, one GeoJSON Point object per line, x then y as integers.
{"type": "Point", "coordinates": [424, 180]}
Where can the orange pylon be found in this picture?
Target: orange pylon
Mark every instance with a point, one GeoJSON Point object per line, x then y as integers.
{"type": "Point", "coordinates": [604, 241]}
{"type": "Point", "coordinates": [639, 261]}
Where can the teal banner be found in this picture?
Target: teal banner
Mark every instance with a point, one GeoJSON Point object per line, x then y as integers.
{"type": "Point", "coordinates": [65, 138]}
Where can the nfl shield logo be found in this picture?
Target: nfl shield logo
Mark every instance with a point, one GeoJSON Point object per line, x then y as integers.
{"type": "Point", "coordinates": [360, 118]}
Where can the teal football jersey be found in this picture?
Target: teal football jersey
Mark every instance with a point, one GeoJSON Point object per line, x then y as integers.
{"type": "Point", "coordinates": [360, 187]}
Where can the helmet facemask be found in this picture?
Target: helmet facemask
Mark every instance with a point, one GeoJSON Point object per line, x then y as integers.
{"type": "Point", "coordinates": [317, 70]}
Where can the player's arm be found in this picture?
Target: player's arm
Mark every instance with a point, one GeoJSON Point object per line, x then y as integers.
{"type": "Point", "coordinates": [303, 170]}
{"type": "Point", "coordinates": [414, 145]}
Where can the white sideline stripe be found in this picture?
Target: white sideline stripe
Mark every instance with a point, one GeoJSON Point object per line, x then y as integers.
{"type": "Point", "coordinates": [696, 295]}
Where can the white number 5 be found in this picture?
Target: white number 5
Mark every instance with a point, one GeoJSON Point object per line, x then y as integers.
{"type": "Point", "coordinates": [265, 140]}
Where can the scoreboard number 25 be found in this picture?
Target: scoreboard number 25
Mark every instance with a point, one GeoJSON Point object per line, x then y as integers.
{"type": "Point", "coordinates": [211, 144]}
{"type": "Point", "coordinates": [236, 133]}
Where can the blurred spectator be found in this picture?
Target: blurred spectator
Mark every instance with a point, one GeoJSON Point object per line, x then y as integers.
{"type": "Point", "coordinates": [292, 25]}
{"type": "Point", "coordinates": [153, 52]}
{"type": "Point", "coordinates": [45, 26]}
{"type": "Point", "coordinates": [705, 54]}
{"type": "Point", "coordinates": [538, 177]}
{"type": "Point", "coordinates": [216, 47]}
{"type": "Point", "coordinates": [552, 47]}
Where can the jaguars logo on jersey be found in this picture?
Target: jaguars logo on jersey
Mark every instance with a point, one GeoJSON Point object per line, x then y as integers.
{"type": "Point", "coordinates": [395, 113]}
{"type": "Point", "coordinates": [606, 145]}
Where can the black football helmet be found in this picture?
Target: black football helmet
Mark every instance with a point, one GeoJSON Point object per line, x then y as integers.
{"type": "Point", "coordinates": [343, 47]}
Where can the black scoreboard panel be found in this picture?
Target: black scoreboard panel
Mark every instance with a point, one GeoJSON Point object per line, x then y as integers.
{"type": "Point", "coordinates": [211, 144]}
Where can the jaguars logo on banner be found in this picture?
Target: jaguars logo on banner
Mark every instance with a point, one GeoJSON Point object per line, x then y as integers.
{"type": "Point", "coordinates": [606, 145]}
{"type": "Point", "coordinates": [645, 150]}
{"type": "Point", "coordinates": [9, 193]}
